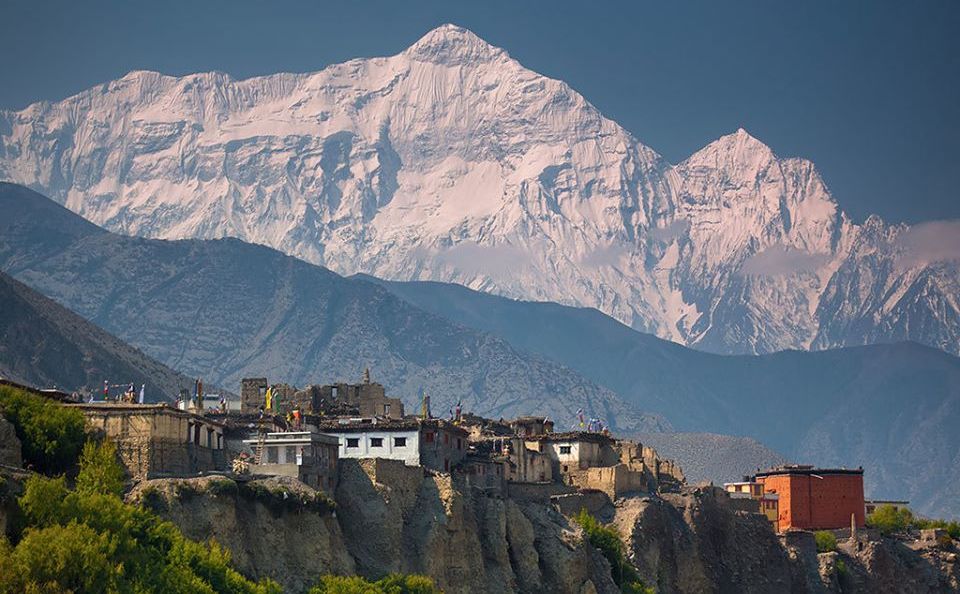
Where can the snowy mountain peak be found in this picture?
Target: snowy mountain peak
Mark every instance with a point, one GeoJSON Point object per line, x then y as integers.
{"type": "Point", "coordinates": [736, 149]}
{"type": "Point", "coordinates": [451, 44]}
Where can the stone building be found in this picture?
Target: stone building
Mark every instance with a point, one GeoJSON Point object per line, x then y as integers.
{"type": "Point", "coordinates": [253, 393]}
{"type": "Point", "coordinates": [308, 456]}
{"type": "Point", "coordinates": [431, 443]}
{"type": "Point", "coordinates": [815, 498]}
{"type": "Point", "coordinates": [575, 450]}
{"type": "Point", "coordinates": [156, 439]}
{"type": "Point", "coordinates": [766, 503]}
{"type": "Point", "coordinates": [530, 426]}
{"type": "Point", "coordinates": [366, 399]}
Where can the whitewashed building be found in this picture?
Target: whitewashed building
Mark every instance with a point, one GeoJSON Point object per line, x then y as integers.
{"type": "Point", "coordinates": [432, 443]}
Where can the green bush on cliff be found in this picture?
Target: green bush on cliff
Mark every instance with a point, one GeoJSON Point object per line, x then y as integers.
{"type": "Point", "coordinates": [826, 541]}
{"type": "Point", "coordinates": [51, 435]}
{"type": "Point", "coordinates": [89, 540]}
{"type": "Point", "coordinates": [392, 584]}
{"type": "Point", "coordinates": [889, 519]}
{"type": "Point", "coordinates": [100, 471]}
{"type": "Point", "coordinates": [607, 540]}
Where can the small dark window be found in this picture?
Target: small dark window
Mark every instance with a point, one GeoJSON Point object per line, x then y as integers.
{"type": "Point", "coordinates": [564, 449]}
{"type": "Point", "coordinates": [272, 455]}
{"type": "Point", "coordinates": [459, 444]}
{"type": "Point", "coordinates": [376, 442]}
{"type": "Point", "coordinates": [353, 442]}
{"type": "Point", "coordinates": [446, 465]}
{"type": "Point", "coordinates": [446, 438]}
{"type": "Point", "coordinates": [399, 442]}
{"type": "Point", "coordinates": [564, 467]}
{"type": "Point", "coordinates": [428, 436]}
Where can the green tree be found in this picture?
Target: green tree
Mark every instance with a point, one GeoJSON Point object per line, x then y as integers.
{"type": "Point", "coordinates": [392, 584]}
{"type": "Point", "coordinates": [607, 541]}
{"type": "Point", "coordinates": [99, 470]}
{"type": "Point", "coordinates": [51, 434]}
{"type": "Point", "coordinates": [889, 519]}
{"type": "Point", "coordinates": [89, 540]}
{"type": "Point", "coordinates": [826, 541]}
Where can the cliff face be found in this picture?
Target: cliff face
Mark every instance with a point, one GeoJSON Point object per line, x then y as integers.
{"type": "Point", "coordinates": [393, 518]}
{"type": "Point", "coordinates": [696, 543]}
{"type": "Point", "coordinates": [388, 518]}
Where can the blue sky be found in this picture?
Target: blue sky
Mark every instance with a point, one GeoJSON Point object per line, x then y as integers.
{"type": "Point", "coordinates": [870, 91]}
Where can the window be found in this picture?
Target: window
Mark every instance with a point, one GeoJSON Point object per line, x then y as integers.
{"type": "Point", "coordinates": [446, 465]}
{"type": "Point", "coordinates": [459, 444]}
{"type": "Point", "coordinates": [399, 442]}
{"type": "Point", "coordinates": [353, 442]}
{"type": "Point", "coordinates": [564, 467]}
{"type": "Point", "coordinates": [290, 455]}
{"type": "Point", "coordinates": [565, 449]}
{"type": "Point", "coordinates": [376, 442]}
{"type": "Point", "coordinates": [446, 438]}
{"type": "Point", "coordinates": [272, 454]}
{"type": "Point", "coordinates": [428, 437]}
{"type": "Point", "coordinates": [386, 410]}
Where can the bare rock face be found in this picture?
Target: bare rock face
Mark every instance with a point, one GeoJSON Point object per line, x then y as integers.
{"type": "Point", "coordinates": [388, 518]}
{"type": "Point", "coordinates": [9, 445]}
{"type": "Point", "coordinates": [693, 543]}
{"type": "Point", "coordinates": [396, 519]}
{"type": "Point", "coordinates": [264, 539]}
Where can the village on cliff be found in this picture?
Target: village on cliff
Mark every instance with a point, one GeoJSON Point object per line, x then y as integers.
{"type": "Point", "coordinates": [279, 430]}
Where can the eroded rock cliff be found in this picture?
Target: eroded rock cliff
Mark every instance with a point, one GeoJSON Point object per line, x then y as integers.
{"type": "Point", "coordinates": [388, 517]}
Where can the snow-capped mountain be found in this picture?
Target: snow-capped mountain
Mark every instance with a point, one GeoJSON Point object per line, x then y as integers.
{"type": "Point", "coordinates": [451, 161]}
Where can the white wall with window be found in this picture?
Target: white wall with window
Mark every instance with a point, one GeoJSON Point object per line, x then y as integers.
{"type": "Point", "coordinates": [399, 444]}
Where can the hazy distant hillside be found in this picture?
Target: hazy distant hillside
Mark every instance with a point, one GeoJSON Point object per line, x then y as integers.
{"type": "Point", "coordinates": [712, 457]}
{"type": "Point", "coordinates": [46, 345]}
{"type": "Point", "coordinates": [224, 309]}
{"type": "Point", "coordinates": [892, 408]}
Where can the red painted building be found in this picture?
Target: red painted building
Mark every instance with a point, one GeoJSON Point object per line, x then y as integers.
{"type": "Point", "coordinates": [816, 498]}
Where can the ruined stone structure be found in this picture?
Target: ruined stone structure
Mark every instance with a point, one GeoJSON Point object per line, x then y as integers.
{"type": "Point", "coordinates": [156, 439]}
{"type": "Point", "coordinates": [366, 399]}
{"type": "Point", "coordinates": [530, 426]}
{"type": "Point", "coordinates": [816, 498]}
{"type": "Point", "coordinates": [253, 392]}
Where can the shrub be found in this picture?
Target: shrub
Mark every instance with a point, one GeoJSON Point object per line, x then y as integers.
{"type": "Point", "coordinates": [392, 584]}
{"type": "Point", "coordinates": [826, 541]}
{"type": "Point", "coordinates": [99, 470]}
{"type": "Point", "coordinates": [51, 435]}
{"type": "Point", "coordinates": [889, 519]}
{"type": "Point", "coordinates": [945, 542]}
{"type": "Point", "coordinates": [280, 498]}
{"type": "Point", "coordinates": [222, 487]}
{"type": "Point", "coordinates": [607, 541]}
{"type": "Point", "coordinates": [841, 567]}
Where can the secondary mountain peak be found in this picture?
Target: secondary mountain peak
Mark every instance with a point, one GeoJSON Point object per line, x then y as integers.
{"type": "Point", "coordinates": [452, 44]}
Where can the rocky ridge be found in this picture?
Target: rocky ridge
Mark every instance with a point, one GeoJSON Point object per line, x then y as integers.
{"type": "Point", "coordinates": [399, 519]}
{"type": "Point", "coordinates": [451, 161]}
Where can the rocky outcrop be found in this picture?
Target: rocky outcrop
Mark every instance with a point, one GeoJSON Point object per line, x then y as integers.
{"type": "Point", "coordinates": [388, 518]}
{"type": "Point", "coordinates": [266, 534]}
{"type": "Point", "coordinates": [696, 542]}
{"type": "Point", "coordinates": [9, 445]}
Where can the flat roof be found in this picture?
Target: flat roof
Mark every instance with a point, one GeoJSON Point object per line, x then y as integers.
{"type": "Point", "coordinates": [807, 471]}
{"type": "Point", "coordinates": [351, 425]}
{"type": "Point", "coordinates": [570, 436]}
{"type": "Point", "coordinates": [295, 437]}
{"type": "Point", "coordinates": [133, 408]}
